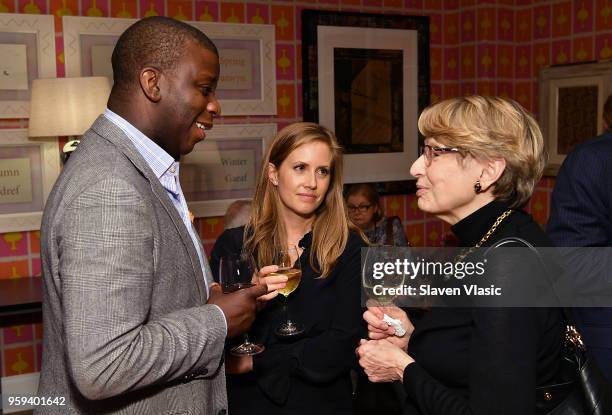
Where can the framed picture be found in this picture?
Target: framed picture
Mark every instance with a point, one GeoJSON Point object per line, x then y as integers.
{"type": "Point", "coordinates": [571, 106]}
{"type": "Point", "coordinates": [224, 167]}
{"type": "Point", "coordinates": [27, 52]}
{"type": "Point", "coordinates": [247, 85]}
{"type": "Point", "coordinates": [366, 77]}
{"type": "Point", "coordinates": [28, 170]}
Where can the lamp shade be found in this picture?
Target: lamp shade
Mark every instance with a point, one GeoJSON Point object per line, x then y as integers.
{"type": "Point", "coordinates": [66, 106]}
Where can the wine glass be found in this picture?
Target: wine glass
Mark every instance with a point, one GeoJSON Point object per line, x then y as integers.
{"type": "Point", "coordinates": [382, 287]}
{"type": "Point", "coordinates": [238, 271]}
{"type": "Point", "coordinates": [288, 262]}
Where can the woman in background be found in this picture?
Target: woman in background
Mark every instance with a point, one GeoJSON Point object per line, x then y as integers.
{"type": "Point", "coordinates": [364, 209]}
{"type": "Point", "coordinates": [298, 202]}
{"type": "Point", "coordinates": [481, 161]}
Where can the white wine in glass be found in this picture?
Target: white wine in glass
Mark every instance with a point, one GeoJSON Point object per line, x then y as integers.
{"type": "Point", "coordinates": [294, 277]}
{"type": "Point", "coordinates": [288, 262]}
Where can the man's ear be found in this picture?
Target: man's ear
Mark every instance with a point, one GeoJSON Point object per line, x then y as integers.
{"type": "Point", "coordinates": [149, 82]}
{"type": "Point", "coordinates": [492, 171]}
{"type": "Point", "coordinates": [272, 174]}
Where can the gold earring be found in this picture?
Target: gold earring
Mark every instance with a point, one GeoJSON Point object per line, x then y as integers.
{"type": "Point", "coordinates": [477, 187]}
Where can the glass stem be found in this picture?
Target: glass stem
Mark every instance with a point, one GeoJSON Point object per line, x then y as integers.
{"type": "Point", "coordinates": [246, 341]}
{"type": "Point", "coordinates": [286, 309]}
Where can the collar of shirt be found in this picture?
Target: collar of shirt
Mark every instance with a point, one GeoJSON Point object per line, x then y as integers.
{"type": "Point", "coordinates": [164, 166]}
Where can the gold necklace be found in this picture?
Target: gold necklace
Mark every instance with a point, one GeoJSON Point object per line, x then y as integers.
{"type": "Point", "coordinates": [487, 235]}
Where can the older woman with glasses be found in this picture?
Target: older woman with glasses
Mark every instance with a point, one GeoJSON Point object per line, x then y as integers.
{"type": "Point", "coordinates": [480, 163]}
{"type": "Point", "coordinates": [364, 210]}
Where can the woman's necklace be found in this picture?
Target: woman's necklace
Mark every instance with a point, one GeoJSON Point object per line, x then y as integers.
{"type": "Point", "coordinates": [487, 235]}
{"type": "Point", "coordinates": [299, 248]}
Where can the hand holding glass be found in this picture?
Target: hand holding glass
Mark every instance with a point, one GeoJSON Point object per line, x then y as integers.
{"type": "Point", "coordinates": [238, 271]}
{"type": "Point", "coordinates": [288, 262]}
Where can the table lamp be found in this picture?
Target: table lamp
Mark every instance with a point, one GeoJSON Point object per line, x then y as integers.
{"type": "Point", "coordinates": [66, 107]}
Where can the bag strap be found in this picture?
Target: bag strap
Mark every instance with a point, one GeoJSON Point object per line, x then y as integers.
{"type": "Point", "coordinates": [572, 335]}
{"type": "Point", "coordinates": [516, 240]}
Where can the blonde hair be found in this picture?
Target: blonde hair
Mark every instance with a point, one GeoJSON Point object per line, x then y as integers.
{"type": "Point", "coordinates": [265, 232]}
{"type": "Point", "coordinates": [488, 128]}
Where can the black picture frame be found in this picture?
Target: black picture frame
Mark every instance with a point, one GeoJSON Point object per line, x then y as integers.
{"type": "Point", "coordinates": [311, 19]}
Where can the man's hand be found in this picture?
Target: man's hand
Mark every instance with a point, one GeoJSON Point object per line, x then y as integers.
{"type": "Point", "coordinates": [235, 365]}
{"type": "Point", "coordinates": [239, 307]}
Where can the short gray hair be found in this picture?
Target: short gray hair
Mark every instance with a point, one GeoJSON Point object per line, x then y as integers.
{"type": "Point", "coordinates": [237, 214]}
{"type": "Point", "coordinates": [490, 127]}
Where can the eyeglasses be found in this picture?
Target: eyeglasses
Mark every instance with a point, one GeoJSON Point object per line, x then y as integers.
{"type": "Point", "coordinates": [360, 208]}
{"type": "Point", "coordinates": [432, 151]}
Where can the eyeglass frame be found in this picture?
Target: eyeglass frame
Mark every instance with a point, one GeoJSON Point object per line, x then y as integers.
{"type": "Point", "coordinates": [360, 208]}
{"type": "Point", "coordinates": [429, 156]}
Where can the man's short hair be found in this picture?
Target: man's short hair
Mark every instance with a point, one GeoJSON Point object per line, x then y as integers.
{"type": "Point", "coordinates": [237, 214]}
{"type": "Point", "coordinates": [607, 112]}
{"type": "Point", "coordinates": [153, 41]}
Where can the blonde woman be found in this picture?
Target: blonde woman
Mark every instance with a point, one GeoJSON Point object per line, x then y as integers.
{"type": "Point", "coordinates": [298, 201]}
{"type": "Point", "coordinates": [481, 161]}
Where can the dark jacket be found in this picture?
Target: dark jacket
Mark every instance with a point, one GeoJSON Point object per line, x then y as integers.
{"type": "Point", "coordinates": [581, 216]}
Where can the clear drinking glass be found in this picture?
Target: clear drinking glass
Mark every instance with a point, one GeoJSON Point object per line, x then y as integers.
{"type": "Point", "coordinates": [238, 271]}
{"type": "Point", "coordinates": [377, 289]}
{"type": "Point", "coordinates": [288, 262]}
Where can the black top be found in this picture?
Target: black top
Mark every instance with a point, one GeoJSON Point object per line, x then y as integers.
{"type": "Point", "coordinates": [309, 375]}
{"type": "Point", "coordinates": [484, 360]}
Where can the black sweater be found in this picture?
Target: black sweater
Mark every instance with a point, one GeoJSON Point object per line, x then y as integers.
{"type": "Point", "coordinates": [484, 361]}
{"type": "Point", "coordinates": [309, 375]}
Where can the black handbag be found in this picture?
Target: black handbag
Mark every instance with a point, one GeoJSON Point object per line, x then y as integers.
{"type": "Point", "coordinates": [583, 389]}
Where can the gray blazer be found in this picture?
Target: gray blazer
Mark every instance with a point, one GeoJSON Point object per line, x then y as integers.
{"type": "Point", "coordinates": [127, 330]}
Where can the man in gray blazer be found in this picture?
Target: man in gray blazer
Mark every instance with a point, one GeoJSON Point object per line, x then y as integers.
{"type": "Point", "coordinates": [133, 323]}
